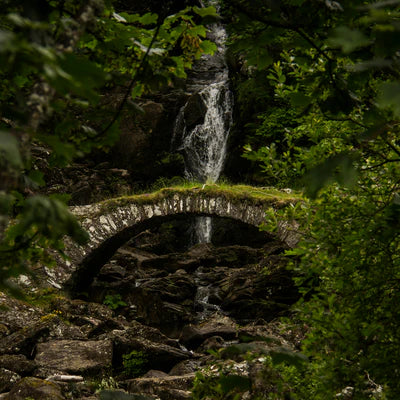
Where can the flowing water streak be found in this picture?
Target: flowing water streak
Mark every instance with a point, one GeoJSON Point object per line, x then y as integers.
{"type": "Point", "coordinates": [204, 146]}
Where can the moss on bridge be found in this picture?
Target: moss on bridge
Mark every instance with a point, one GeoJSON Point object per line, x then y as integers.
{"type": "Point", "coordinates": [236, 193]}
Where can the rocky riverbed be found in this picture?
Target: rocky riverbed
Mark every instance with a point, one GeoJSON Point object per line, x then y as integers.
{"type": "Point", "coordinates": [160, 311]}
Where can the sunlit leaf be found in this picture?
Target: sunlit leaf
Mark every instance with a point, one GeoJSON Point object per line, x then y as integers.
{"type": "Point", "coordinates": [208, 47]}
{"type": "Point", "coordinates": [206, 11]}
{"type": "Point", "coordinates": [148, 19]}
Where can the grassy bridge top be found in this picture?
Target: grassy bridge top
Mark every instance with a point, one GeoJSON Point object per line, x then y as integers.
{"type": "Point", "coordinates": [252, 196]}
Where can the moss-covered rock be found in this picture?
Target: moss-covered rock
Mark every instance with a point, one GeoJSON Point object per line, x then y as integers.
{"type": "Point", "coordinates": [35, 389]}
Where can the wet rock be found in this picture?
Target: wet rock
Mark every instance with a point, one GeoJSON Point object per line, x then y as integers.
{"type": "Point", "coordinates": [160, 355]}
{"type": "Point", "coordinates": [237, 255]}
{"type": "Point", "coordinates": [17, 363]}
{"type": "Point", "coordinates": [195, 111]}
{"type": "Point", "coordinates": [171, 262]}
{"type": "Point", "coordinates": [167, 316]}
{"type": "Point", "coordinates": [36, 389]}
{"type": "Point", "coordinates": [7, 379]}
{"type": "Point", "coordinates": [193, 336]}
{"type": "Point", "coordinates": [204, 252]}
{"type": "Point", "coordinates": [111, 272]}
{"type": "Point", "coordinates": [84, 315]}
{"type": "Point", "coordinates": [211, 343]}
{"type": "Point", "coordinates": [103, 327]}
{"type": "Point", "coordinates": [174, 288]}
{"type": "Point", "coordinates": [131, 258]}
{"type": "Point", "coordinates": [119, 394]}
{"type": "Point", "coordinates": [251, 293]}
{"type": "Point", "coordinates": [167, 388]}
{"type": "Point", "coordinates": [164, 302]}
{"type": "Point", "coordinates": [74, 356]}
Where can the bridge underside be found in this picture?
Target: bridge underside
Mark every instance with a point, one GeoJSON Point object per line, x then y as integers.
{"type": "Point", "coordinates": [91, 265]}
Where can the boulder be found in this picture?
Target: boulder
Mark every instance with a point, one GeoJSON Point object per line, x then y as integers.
{"type": "Point", "coordinates": [7, 379]}
{"type": "Point", "coordinates": [174, 288]}
{"type": "Point", "coordinates": [167, 388]}
{"type": "Point", "coordinates": [24, 340]}
{"type": "Point", "coordinates": [111, 272]}
{"type": "Point", "coordinates": [153, 373]}
{"type": "Point", "coordinates": [79, 307]}
{"type": "Point", "coordinates": [17, 363]}
{"type": "Point", "coordinates": [171, 262]}
{"type": "Point", "coordinates": [160, 355]}
{"type": "Point", "coordinates": [217, 325]}
{"type": "Point", "coordinates": [16, 314]}
{"type": "Point", "coordinates": [185, 367]}
{"type": "Point", "coordinates": [131, 258]}
{"type": "Point", "coordinates": [165, 302]}
{"type": "Point", "coordinates": [104, 327]}
{"type": "Point", "coordinates": [251, 293]}
{"type": "Point", "coordinates": [75, 356]}
{"type": "Point", "coordinates": [35, 389]}
{"type": "Point", "coordinates": [237, 255]}
{"type": "Point", "coordinates": [165, 315]}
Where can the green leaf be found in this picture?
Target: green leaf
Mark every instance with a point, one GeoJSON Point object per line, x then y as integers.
{"type": "Point", "coordinates": [137, 91]}
{"type": "Point", "coordinates": [234, 382]}
{"type": "Point", "coordinates": [389, 97]}
{"type": "Point", "coordinates": [208, 47]}
{"type": "Point", "coordinates": [62, 197]}
{"type": "Point", "coordinates": [206, 11]}
{"type": "Point", "coordinates": [9, 149]}
{"type": "Point", "coordinates": [285, 355]}
{"type": "Point", "coordinates": [348, 39]}
{"type": "Point", "coordinates": [299, 99]}
{"type": "Point", "coordinates": [37, 177]}
{"type": "Point", "coordinates": [148, 19]}
{"type": "Point", "coordinates": [338, 168]}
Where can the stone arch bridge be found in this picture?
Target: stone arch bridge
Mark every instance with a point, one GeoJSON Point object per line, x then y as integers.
{"type": "Point", "coordinates": [112, 222]}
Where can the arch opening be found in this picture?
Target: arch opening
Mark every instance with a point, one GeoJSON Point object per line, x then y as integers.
{"type": "Point", "coordinates": [161, 235]}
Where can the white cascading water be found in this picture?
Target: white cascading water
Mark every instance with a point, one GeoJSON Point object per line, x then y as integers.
{"type": "Point", "coordinates": [204, 146]}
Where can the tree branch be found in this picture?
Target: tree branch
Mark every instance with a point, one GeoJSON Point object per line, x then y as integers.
{"type": "Point", "coordinates": [132, 83]}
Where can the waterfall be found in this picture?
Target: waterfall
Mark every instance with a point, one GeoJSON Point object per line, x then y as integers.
{"type": "Point", "coordinates": [204, 122]}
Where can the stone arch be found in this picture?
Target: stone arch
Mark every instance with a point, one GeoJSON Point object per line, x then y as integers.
{"type": "Point", "coordinates": [111, 223]}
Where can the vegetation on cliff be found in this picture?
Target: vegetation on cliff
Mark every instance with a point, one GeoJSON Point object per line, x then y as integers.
{"type": "Point", "coordinates": [326, 73]}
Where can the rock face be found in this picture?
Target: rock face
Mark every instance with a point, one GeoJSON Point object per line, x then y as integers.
{"type": "Point", "coordinates": [151, 317]}
{"type": "Point", "coordinates": [75, 356]}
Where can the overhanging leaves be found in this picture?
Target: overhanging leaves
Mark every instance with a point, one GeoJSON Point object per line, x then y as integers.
{"type": "Point", "coordinates": [339, 168]}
